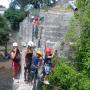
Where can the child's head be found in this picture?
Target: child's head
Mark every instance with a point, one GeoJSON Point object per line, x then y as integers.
{"type": "Point", "coordinates": [39, 53]}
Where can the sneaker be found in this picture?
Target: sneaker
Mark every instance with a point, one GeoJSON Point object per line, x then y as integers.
{"type": "Point", "coordinates": [46, 82]}
{"type": "Point", "coordinates": [26, 82]}
{"type": "Point", "coordinates": [30, 84]}
{"type": "Point", "coordinates": [41, 75]}
{"type": "Point", "coordinates": [16, 81]}
{"type": "Point", "coordinates": [13, 79]}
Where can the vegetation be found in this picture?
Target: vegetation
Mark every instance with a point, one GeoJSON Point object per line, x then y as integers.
{"type": "Point", "coordinates": [36, 3]}
{"type": "Point", "coordinates": [15, 16]}
{"type": "Point", "coordinates": [66, 77]}
{"type": "Point", "coordinates": [4, 31]}
{"type": "Point", "coordinates": [83, 49]}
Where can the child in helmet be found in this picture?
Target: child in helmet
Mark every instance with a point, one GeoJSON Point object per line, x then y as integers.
{"type": "Point", "coordinates": [28, 60]}
{"type": "Point", "coordinates": [36, 63]}
{"type": "Point", "coordinates": [47, 64]}
{"type": "Point", "coordinates": [15, 56]}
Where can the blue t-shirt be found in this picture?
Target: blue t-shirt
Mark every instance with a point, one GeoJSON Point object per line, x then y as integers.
{"type": "Point", "coordinates": [35, 60]}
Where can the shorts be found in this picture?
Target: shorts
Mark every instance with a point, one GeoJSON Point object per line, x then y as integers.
{"type": "Point", "coordinates": [46, 69]}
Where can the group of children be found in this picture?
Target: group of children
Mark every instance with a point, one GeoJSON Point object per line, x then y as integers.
{"type": "Point", "coordinates": [33, 62]}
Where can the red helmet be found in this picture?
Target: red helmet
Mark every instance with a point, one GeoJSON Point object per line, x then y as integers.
{"type": "Point", "coordinates": [48, 51]}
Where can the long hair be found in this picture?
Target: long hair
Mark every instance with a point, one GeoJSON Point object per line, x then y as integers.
{"type": "Point", "coordinates": [29, 50]}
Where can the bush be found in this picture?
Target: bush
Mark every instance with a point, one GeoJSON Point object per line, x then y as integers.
{"type": "Point", "coordinates": [67, 78]}
{"type": "Point", "coordinates": [63, 77]}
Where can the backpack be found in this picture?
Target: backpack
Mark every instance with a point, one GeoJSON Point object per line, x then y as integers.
{"type": "Point", "coordinates": [17, 57]}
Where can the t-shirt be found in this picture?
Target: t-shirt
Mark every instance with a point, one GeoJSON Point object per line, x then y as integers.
{"type": "Point", "coordinates": [35, 60]}
{"type": "Point", "coordinates": [47, 60]}
{"type": "Point", "coordinates": [29, 58]}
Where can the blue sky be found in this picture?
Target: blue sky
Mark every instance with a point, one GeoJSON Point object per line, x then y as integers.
{"type": "Point", "coordinates": [5, 3]}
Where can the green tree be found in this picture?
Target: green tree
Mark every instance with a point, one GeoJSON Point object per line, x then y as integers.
{"type": "Point", "coordinates": [15, 16]}
{"type": "Point", "coordinates": [22, 3]}
{"type": "Point", "coordinates": [4, 31]}
{"type": "Point", "coordinates": [35, 3]}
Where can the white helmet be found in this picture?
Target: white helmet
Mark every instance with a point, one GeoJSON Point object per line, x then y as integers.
{"type": "Point", "coordinates": [15, 44]}
{"type": "Point", "coordinates": [30, 43]}
{"type": "Point", "coordinates": [32, 17]}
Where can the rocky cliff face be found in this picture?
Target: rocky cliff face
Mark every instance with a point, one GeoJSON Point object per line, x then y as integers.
{"type": "Point", "coordinates": [51, 30]}
{"type": "Point", "coordinates": [54, 28]}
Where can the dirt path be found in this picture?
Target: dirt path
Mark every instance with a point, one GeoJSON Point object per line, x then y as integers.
{"type": "Point", "coordinates": [5, 75]}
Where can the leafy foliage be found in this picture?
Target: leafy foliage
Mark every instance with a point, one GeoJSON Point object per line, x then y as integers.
{"type": "Point", "coordinates": [4, 31]}
{"type": "Point", "coordinates": [83, 50]}
{"type": "Point", "coordinates": [35, 3]}
{"type": "Point", "coordinates": [84, 10]}
{"type": "Point", "coordinates": [63, 76]}
{"type": "Point", "coordinates": [68, 78]}
{"type": "Point", "coordinates": [15, 16]}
